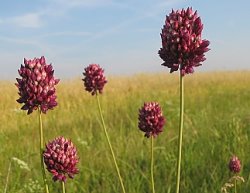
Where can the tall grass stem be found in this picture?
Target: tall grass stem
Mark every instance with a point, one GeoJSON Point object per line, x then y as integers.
{"type": "Point", "coordinates": [46, 187]}
{"type": "Point", "coordinates": [152, 164]}
{"type": "Point", "coordinates": [7, 178]}
{"type": "Point", "coordinates": [180, 133]}
{"type": "Point", "coordinates": [109, 143]}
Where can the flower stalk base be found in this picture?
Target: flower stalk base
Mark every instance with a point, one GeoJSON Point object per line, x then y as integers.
{"type": "Point", "coordinates": [152, 164]}
{"type": "Point", "coordinates": [109, 143]}
{"type": "Point", "coordinates": [46, 187]}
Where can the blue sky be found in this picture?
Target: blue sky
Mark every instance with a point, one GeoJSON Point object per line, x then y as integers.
{"type": "Point", "coordinates": [123, 36]}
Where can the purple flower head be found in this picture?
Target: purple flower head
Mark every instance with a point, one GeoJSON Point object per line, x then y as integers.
{"type": "Point", "coordinates": [60, 157]}
{"type": "Point", "coordinates": [234, 164]}
{"type": "Point", "coordinates": [182, 45]}
{"type": "Point", "coordinates": [151, 120]}
{"type": "Point", "coordinates": [36, 85]}
{"type": "Point", "coordinates": [94, 79]}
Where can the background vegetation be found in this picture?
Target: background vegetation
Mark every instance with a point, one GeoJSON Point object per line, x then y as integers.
{"type": "Point", "coordinates": [216, 126]}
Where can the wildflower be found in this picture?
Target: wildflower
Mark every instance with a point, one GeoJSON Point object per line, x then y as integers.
{"type": "Point", "coordinates": [60, 157]}
{"type": "Point", "coordinates": [182, 46]}
{"type": "Point", "coordinates": [234, 164]}
{"type": "Point", "coordinates": [94, 79]}
{"type": "Point", "coordinates": [36, 85]}
{"type": "Point", "coordinates": [151, 120]}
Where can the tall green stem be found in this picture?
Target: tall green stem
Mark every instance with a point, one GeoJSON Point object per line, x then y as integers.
{"type": "Point", "coordinates": [110, 146]}
{"type": "Point", "coordinates": [180, 133]}
{"type": "Point", "coordinates": [152, 164]}
{"type": "Point", "coordinates": [46, 187]}
{"type": "Point", "coordinates": [235, 184]}
{"type": "Point", "coordinates": [63, 187]}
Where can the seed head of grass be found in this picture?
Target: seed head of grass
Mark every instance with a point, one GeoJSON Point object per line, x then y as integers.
{"type": "Point", "coordinates": [22, 164]}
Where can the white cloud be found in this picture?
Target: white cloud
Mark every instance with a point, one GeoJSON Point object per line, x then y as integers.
{"type": "Point", "coordinates": [29, 20]}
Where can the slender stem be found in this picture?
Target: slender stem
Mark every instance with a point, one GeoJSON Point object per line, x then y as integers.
{"type": "Point", "coordinates": [152, 164]}
{"type": "Point", "coordinates": [180, 132]}
{"type": "Point", "coordinates": [63, 187]}
{"type": "Point", "coordinates": [7, 178]}
{"type": "Point", "coordinates": [235, 184]}
{"type": "Point", "coordinates": [46, 187]}
{"type": "Point", "coordinates": [110, 146]}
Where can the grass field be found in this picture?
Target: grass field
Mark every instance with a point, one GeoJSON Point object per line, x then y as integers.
{"type": "Point", "coordinates": [216, 126]}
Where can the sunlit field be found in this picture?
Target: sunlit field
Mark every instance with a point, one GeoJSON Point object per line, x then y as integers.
{"type": "Point", "coordinates": [216, 126]}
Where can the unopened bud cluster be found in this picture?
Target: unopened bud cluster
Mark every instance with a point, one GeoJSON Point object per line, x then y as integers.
{"type": "Point", "coordinates": [60, 157]}
{"type": "Point", "coordinates": [36, 85]}
{"type": "Point", "coordinates": [234, 164]}
{"type": "Point", "coordinates": [151, 120]}
{"type": "Point", "coordinates": [182, 45]}
{"type": "Point", "coordinates": [94, 79]}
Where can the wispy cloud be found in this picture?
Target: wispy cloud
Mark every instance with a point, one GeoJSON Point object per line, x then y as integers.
{"type": "Point", "coordinates": [30, 43]}
{"type": "Point", "coordinates": [54, 9]}
{"type": "Point", "coordinates": [155, 10]}
{"type": "Point", "coordinates": [84, 3]}
{"type": "Point", "coordinates": [65, 33]}
{"type": "Point", "coordinates": [28, 20]}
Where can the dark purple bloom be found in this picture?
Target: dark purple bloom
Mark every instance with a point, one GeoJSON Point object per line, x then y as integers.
{"type": "Point", "coordinates": [234, 164]}
{"type": "Point", "coordinates": [151, 120]}
{"type": "Point", "coordinates": [94, 79]}
{"type": "Point", "coordinates": [182, 45]}
{"type": "Point", "coordinates": [36, 85]}
{"type": "Point", "coordinates": [60, 157]}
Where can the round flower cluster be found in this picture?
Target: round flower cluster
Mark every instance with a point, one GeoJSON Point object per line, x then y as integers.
{"type": "Point", "coordinates": [94, 79]}
{"type": "Point", "coordinates": [36, 85]}
{"type": "Point", "coordinates": [234, 164]}
{"type": "Point", "coordinates": [182, 46]}
{"type": "Point", "coordinates": [60, 157]}
{"type": "Point", "coordinates": [151, 120]}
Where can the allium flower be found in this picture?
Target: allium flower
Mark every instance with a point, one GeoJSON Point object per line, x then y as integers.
{"type": "Point", "coordinates": [36, 85]}
{"type": "Point", "coordinates": [182, 46]}
{"type": "Point", "coordinates": [151, 120]}
{"type": "Point", "coordinates": [234, 164]}
{"type": "Point", "coordinates": [60, 157]}
{"type": "Point", "coordinates": [94, 79]}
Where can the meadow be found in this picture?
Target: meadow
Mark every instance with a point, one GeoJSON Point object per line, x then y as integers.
{"type": "Point", "coordinates": [216, 126]}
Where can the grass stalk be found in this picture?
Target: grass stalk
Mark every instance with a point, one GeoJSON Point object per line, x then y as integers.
{"type": "Point", "coordinates": [109, 143]}
{"type": "Point", "coordinates": [7, 178]}
{"type": "Point", "coordinates": [152, 164]}
{"type": "Point", "coordinates": [180, 133]}
{"type": "Point", "coordinates": [46, 187]}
